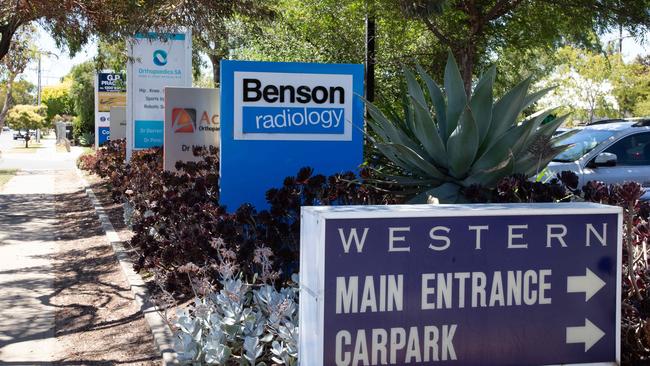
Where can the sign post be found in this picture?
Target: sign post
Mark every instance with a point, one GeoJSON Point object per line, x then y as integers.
{"type": "Point", "coordinates": [279, 117]}
{"type": "Point", "coordinates": [519, 284]}
{"type": "Point", "coordinates": [110, 91]}
{"type": "Point", "coordinates": [159, 60]}
{"type": "Point", "coordinates": [191, 120]}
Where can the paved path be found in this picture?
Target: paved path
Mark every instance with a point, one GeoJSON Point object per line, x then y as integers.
{"type": "Point", "coordinates": [26, 278]}
{"type": "Point", "coordinates": [27, 249]}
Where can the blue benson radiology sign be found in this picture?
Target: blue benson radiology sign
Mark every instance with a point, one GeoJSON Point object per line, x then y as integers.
{"type": "Point", "coordinates": [279, 117]}
{"type": "Point", "coordinates": [519, 284]}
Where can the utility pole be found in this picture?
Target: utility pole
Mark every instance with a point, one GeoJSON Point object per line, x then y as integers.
{"type": "Point", "coordinates": [620, 39]}
{"type": "Point", "coordinates": [370, 50]}
{"type": "Point", "coordinates": [38, 97]}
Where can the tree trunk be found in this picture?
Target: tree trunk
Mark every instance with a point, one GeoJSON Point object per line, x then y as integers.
{"type": "Point", "coordinates": [27, 139]}
{"type": "Point", "coordinates": [467, 61]}
{"type": "Point", "coordinates": [7, 103]}
{"type": "Point", "coordinates": [216, 68]}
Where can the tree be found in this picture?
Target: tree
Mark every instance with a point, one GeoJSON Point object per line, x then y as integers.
{"type": "Point", "coordinates": [82, 93]}
{"type": "Point", "coordinates": [478, 30]}
{"type": "Point", "coordinates": [22, 92]}
{"type": "Point", "coordinates": [216, 32]}
{"type": "Point", "coordinates": [332, 31]}
{"type": "Point", "coordinates": [20, 53]}
{"type": "Point", "coordinates": [584, 81]}
{"type": "Point", "coordinates": [58, 99]}
{"type": "Point", "coordinates": [27, 117]}
{"type": "Point", "coordinates": [632, 85]}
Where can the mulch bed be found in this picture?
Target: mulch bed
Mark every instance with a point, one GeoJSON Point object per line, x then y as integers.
{"type": "Point", "coordinates": [97, 319]}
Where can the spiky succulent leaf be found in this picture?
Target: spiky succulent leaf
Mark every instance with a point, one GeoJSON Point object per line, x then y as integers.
{"type": "Point", "coordinates": [438, 102]}
{"type": "Point", "coordinates": [407, 158]}
{"type": "Point", "coordinates": [387, 130]}
{"type": "Point", "coordinates": [481, 103]}
{"type": "Point", "coordinates": [413, 87]}
{"type": "Point", "coordinates": [489, 177]}
{"type": "Point", "coordinates": [505, 112]}
{"type": "Point", "coordinates": [463, 144]}
{"type": "Point", "coordinates": [427, 133]}
{"type": "Point", "coordinates": [534, 97]}
{"type": "Point", "coordinates": [456, 97]}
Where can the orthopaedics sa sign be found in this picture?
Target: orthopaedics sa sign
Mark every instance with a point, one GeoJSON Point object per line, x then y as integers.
{"type": "Point", "coordinates": [191, 120]}
{"type": "Point", "coordinates": [279, 117]}
{"type": "Point", "coordinates": [159, 60]}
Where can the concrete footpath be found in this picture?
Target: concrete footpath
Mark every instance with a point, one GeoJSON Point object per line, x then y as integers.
{"type": "Point", "coordinates": [27, 246]}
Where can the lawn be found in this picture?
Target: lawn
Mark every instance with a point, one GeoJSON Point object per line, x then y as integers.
{"type": "Point", "coordinates": [5, 175]}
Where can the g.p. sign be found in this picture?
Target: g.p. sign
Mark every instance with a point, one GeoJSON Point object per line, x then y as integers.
{"type": "Point", "coordinates": [279, 117]}
{"type": "Point", "coordinates": [461, 285]}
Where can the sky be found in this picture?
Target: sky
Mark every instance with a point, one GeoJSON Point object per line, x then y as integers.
{"type": "Point", "coordinates": [57, 65]}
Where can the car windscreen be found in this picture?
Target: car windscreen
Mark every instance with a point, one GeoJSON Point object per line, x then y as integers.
{"type": "Point", "coordinates": [583, 142]}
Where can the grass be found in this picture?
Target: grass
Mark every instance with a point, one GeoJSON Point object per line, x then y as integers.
{"type": "Point", "coordinates": [33, 147]}
{"type": "Point", "coordinates": [5, 175]}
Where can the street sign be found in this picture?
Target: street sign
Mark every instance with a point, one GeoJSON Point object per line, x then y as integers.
{"type": "Point", "coordinates": [278, 117]}
{"type": "Point", "coordinates": [516, 284]}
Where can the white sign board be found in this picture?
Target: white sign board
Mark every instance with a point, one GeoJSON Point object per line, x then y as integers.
{"type": "Point", "coordinates": [191, 120]}
{"type": "Point", "coordinates": [159, 60]}
{"type": "Point", "coordinates": [118, 123]}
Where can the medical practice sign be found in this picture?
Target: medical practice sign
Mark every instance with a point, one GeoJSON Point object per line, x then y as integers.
{"type": "Point", "coordinates": [534, 284]}
{"type": "Point", "coordinates": [110, 91]}
{"type": "Point", "coordinates": [159, 60]}
{"type": "Point", "coordinates": [280, 117]}
{"type": "Point", "coordinates": [191, 121]}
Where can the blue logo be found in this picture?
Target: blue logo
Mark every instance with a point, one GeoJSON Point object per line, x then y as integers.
{"type": "Point", "coordinates": [160, 57]}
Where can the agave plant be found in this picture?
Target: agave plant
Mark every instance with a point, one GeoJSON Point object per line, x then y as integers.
{"type": "Point", "coordinates": [444, 142]}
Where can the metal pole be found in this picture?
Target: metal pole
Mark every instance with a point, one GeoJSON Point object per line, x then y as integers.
{"type": "Point", "coordinates": [370, 51]}
{"type": "Point", "coordinates": [38, 131]}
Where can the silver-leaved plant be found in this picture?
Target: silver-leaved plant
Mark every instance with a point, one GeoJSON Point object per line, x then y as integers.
{"type": "Point", "coordinates": [242, 324]}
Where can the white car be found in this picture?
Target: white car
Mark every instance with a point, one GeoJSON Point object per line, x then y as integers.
{"type": "Point", "coordinates": [610, 152]}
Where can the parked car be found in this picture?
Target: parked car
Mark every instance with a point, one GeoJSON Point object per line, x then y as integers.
{"type": "Point", "coordinates": [6, 129]}
{"type": "Point", "coordinates": [18, 135]}
{"type": "Point", "coordinates": [612, 152]}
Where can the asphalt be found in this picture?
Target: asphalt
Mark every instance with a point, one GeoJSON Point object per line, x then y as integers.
{"type": "Point", "coordinates": [27, 246]}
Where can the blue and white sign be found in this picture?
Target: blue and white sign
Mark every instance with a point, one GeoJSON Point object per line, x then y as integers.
{"type": "Point", "coordinates": [159, 60]}
{"type": "Point", "coordinates": [279, 117]}
{"type": "Point", "coordinates": [110, 91]}
{"type": "Point", "coordinates": [520, 284]}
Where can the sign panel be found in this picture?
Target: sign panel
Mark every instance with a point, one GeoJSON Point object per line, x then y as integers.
{"type": "Point", "coordinates": [118, 122]}
{"type": "Point", "coordinates": [279, 117]}
{"type": "Point", "coordinates": [159, 60]}
{"type": "Point", "coordinates": [191, 120]}
{"type": "Point", "coordinates": [534, 284]}
{"type": "Point", "coordinates": [110, 91]}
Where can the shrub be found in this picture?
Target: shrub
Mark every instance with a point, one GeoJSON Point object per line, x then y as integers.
{"type": "Point", "coordinates": [187, 240]}
{"type": "Point", "coordinates": [442, 143]}
{"type": "Point", "coordinates": [240, 325]}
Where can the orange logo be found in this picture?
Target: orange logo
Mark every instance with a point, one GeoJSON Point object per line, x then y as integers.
{"type": "Point", "coordinates": [183, 120]}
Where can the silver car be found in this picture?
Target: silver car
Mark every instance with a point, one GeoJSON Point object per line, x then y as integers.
{"type": "Point", "coordinates": [609, 152]}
